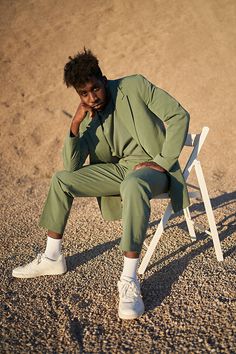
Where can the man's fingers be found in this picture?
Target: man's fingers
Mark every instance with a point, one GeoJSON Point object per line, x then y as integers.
{"type": "Point", "coordinates": [91, 113]}
{"type": "Point", "coordinates": [137, 167]}
{"type": "Point", "coordinates": [151, 165]}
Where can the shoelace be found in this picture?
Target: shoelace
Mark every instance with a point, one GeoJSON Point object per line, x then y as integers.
{"type": "Point", "coordinates": [39, 258]}
{"type": "Point", "coordinates": [129, 290]}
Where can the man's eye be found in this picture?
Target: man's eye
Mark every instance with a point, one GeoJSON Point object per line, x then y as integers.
{"type": "Point", "coordinates": [84, 94]}
{"type": "Point", "coordinates": [96, 89]}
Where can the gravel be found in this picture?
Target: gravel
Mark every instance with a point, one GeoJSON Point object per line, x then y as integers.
{"type": "Point", "coordinates": [190, 298]}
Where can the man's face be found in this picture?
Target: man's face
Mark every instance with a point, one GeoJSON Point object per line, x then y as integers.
{"type": "Point", "coordinates": [93, 93]}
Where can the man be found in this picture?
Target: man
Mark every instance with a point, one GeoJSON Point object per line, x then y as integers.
{"type": "Point", "coordinates": [119, 125]}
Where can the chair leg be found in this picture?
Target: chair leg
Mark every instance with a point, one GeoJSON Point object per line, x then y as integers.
{"type": "Point", "coordinates": [190, 224]}
{"type": "Point", "coordinates": [209, 211]}
{"type": "Point", "coordinates": [155, 239]}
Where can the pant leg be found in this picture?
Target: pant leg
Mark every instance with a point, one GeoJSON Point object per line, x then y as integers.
{"type": "Point", "coordinates": [89, 181]}
{"type": "Point", "coordinates": [136, 191]}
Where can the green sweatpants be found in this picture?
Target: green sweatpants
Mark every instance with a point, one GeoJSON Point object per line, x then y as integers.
{"type": "Point", "coordinates": [135, 187]}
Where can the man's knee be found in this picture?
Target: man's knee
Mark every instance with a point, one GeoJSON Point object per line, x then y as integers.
{"type": "Point", "coordinates": [60, 176]}
{"type": "Point", "coordinates": [133, 185]}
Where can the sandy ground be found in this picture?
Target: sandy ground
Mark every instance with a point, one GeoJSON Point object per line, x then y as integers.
{"type": "Point", "coordinates": [186, 47]}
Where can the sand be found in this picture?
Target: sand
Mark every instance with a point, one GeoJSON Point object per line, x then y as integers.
{"type": "Point", "coordinates": [185, 47]}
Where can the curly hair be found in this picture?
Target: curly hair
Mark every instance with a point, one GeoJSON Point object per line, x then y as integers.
{"type": "Point", "coordinates": [81, 68]}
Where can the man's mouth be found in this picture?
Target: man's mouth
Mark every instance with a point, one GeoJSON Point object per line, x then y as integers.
{"type": "Point", "coordinates": [98, 105]}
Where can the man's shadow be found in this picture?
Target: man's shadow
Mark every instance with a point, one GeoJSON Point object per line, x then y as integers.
{"type": "Point", "coordinates": [78, 259]}
{"type": "Point", "coordinates": [158, 285]}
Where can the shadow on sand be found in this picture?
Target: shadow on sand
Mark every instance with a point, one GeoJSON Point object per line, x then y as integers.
{"type": "Point", "coordinates": [161, 281]}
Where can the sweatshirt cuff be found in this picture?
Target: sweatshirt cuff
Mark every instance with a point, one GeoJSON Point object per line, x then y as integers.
{"type": "Point", "coordinates": [71, 141]}
{"type": "Point", "coordinates": [71, 135]}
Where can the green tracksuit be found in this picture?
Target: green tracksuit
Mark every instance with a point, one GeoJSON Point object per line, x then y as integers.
{"type": "Point", "coordinates": [114, 150]}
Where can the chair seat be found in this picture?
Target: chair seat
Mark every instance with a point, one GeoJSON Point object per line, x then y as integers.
{"type": "Point", "coordinates": [192, 195]}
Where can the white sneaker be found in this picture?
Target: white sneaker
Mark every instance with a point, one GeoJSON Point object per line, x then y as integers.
{"type": "Point", "coordinates": [131, 303]}
{"type": "Point", "coordinates": [41, 265]}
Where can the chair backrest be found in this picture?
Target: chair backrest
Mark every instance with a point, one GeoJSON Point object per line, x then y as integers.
{"type": "Point", "coordinates": [196, 141]}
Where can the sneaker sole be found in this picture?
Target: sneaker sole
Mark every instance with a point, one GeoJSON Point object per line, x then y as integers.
{"type": "Point", "coordinates": [30, 276]}
{"type": "Point", "coordinates": [130, 317]}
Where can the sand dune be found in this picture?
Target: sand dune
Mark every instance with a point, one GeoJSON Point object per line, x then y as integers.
{"type": "Point", "coordinates": [187, 48]}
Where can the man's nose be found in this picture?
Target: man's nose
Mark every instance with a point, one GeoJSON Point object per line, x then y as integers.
{"type": "Point", "coordinates": [93, 97]}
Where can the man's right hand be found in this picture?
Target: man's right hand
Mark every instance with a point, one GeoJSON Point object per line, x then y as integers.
{"type": "Point", "coordinates": [79, 117]}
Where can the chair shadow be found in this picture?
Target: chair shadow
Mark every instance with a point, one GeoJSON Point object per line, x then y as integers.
{"type": "Point", "coordinates": [161, 282]}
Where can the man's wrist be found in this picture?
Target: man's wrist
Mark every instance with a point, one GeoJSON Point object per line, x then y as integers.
{"type": "Point", "coordinates": [74, 129]}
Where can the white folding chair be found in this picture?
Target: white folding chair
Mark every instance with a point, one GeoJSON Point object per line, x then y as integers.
{"type": "Point", "coordinates": [196, 141]}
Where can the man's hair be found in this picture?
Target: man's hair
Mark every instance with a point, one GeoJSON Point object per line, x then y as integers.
{"type": "Point", "coordinates": [81, 68]}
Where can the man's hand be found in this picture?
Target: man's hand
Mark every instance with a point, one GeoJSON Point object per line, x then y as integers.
{"type": "Point", "coordinates": [79, 117]}
{"type": "Point", "coordinates": [152, 165]}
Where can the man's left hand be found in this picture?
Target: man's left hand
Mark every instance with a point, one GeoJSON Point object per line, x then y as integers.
{"type": "Point", "coordinates": [152, 165]}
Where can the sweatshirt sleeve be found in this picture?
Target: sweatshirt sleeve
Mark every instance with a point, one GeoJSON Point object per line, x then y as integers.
{"type": "Point", "coordinates": [176, 120]}
{"type": "Point", "coordinates": [74, 153]}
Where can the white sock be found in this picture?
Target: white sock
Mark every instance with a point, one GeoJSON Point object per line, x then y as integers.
{"type": "Point", "coordinates": [53, 248]}
{"type": "Point", "coordinates": [130, 268]}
